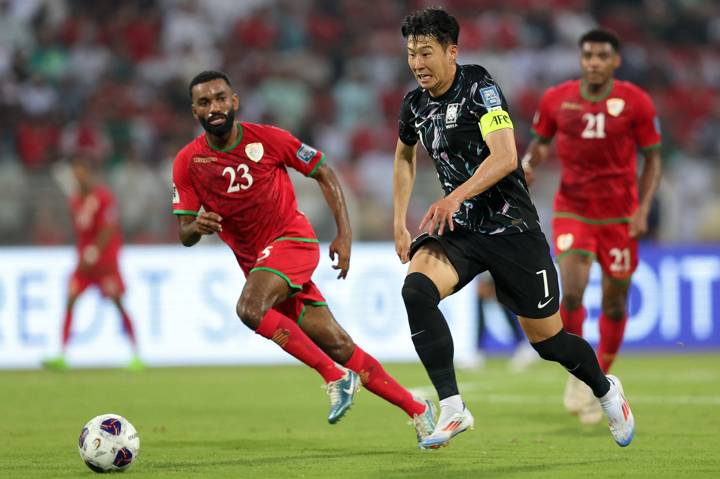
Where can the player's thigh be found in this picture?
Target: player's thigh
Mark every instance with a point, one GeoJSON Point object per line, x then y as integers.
{"type": "Point", "coordinates": [617, 251]}
{"type": "Point", "coordinates": [525, 277]}
{"type": "Point", "coordinates": [575, 273]}
{"type": "Point", "coordinates": [432, 261]}
{"type": "Point", "coordinates": [262, 290]}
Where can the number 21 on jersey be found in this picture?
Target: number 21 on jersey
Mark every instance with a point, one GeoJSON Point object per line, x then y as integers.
{"type": "Point", "coordinates": [594, 125]}
{"type": "Point", "coordinates": [236, 184]}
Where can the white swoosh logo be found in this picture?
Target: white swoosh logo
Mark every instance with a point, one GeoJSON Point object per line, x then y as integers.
{"type": "Point", "coordinates": [418, 125]}
{"type": "Point", "coordinates": [541, 305]}
{"type": "Point", "coordinates": [348, 391]}
{"type": "Point", "coordinates": [415, 334]}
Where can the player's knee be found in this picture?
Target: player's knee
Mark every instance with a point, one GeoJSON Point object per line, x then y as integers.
{"type": "Point", "coordinates": [250, 312]}
{"type": "Point", "coordinates": [419, 291]}
{"type": "Point", "coordinates": [614, 310]}
{"type": "Point", "coordinates": [341, 348]}
{"type": "Point", "coordinates": [572, 300]}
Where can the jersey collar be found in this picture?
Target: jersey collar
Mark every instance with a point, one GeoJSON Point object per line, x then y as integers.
{"type": "Point", "coordinates": [452, 86]}
{"type": "Point", "coordinates": [595, 98]}
{"type": "Point", "coordinates": [231, 147]}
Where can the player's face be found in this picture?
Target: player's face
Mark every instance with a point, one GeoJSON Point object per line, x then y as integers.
{"type": "Point", "coordinates": [598, 62]}
{"type": "Point", "coordinates": [431, 64]}
{"type": "Point", "coordinates": [214, 104]}
{"type": "Point", "coordinates": [81, 174]}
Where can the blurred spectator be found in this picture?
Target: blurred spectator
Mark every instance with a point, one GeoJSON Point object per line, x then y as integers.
{"type": "Point", "coordinates": [112, 77]}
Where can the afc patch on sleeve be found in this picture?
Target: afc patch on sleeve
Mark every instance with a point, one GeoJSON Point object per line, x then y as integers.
{"type": "Point", "coordinates": [490, 97]}
{"type": "Point", "coordinates": [176, 195]}
{"type": "Point", "coordinates": [306, 153]}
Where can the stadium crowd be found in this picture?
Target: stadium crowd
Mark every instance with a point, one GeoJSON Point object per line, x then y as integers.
{"type": "Point", "coordinates": [111, 78]}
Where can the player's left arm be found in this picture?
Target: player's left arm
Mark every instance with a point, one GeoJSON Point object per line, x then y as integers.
{"type": "Point", "coordinates": [649, 180]}
{"type": "Point", "coordinates": [335, 199]}
{"type": "Point", "coordinates": [646, 129]}
{"type": "Point", "coordinates": [501, 162]}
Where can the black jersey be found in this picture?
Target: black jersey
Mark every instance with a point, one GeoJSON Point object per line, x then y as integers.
{"type": "Point", "coordinates": [449, 129]}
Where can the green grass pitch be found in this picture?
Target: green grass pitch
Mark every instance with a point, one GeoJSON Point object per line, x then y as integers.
{"type": "Point", "coordinates": [256, 422]}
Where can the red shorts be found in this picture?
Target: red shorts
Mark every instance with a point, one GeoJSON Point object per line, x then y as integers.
{"type": "Point", "coordinates": [107, 279]}
{"type": "Point", "coordinates": [610, 243]}
{"type": "Point", "coordinates": [294, 260]}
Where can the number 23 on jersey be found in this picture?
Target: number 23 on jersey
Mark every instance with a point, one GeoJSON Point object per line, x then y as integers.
{"type": "Point", "coordinates": [239, 178]}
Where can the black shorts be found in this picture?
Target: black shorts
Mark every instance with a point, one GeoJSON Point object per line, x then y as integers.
{"type": "Point", "coordinates": [524, 273]}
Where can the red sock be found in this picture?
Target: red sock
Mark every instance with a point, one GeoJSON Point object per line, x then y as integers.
{"type": "Point", "coordinates": [573, 320]}
{"type": "Point", "coordinates": [611, 336]}
{"type": "Point", "coordinates": [288, 335]}
{"type": "Point", "coordinates": [66, 328]}
{"type": "Point", "coordinates": [377, 380]}
{"type": "Point", "coordinates": [127, 324]}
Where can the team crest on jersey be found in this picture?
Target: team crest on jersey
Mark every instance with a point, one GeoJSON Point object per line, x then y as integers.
{"type": "Point", "coordinates": [564, 242]}
{"type": "Point", "coordinates": [254, 151]}
{"type": "Point", "coordinates": [451, 114]}
{"type": "Point", "coordinates": [615, 106]}
{"type": "Point", "coordinates": [306, 153]}
{"type": "Point", "coordinates": [490, 97]}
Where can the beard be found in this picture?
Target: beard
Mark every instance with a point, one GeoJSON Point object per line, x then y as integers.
{"type": "Point", "coordinates": [223, 128]}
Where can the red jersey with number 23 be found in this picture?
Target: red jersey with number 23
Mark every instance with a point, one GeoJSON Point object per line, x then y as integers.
{"type": "Point", "coordinates": [248, 185]}
{"type": "Point", "coordinates": [597, 141]}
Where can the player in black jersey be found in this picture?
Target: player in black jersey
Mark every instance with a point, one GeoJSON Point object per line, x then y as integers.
{"type": "Point", "coordinates": [486, 221]}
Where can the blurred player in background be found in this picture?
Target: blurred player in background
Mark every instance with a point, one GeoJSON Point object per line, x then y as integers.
{"type": "Point", "coordinates": [237, 173]}
{"type": "Point", "coordinates": [98, 236]}
{"type": "Point", "coordinates": [523, 355]}
{"type": "Point", "coordinates": [486, 222]}
{"type": "Point", "coordinates": [599, 122]}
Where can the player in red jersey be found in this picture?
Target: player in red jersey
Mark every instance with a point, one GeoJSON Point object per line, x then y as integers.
{"type": "Point", "coordinates": [237, 174]}
{"type": "Point", "coordinates": [95, 219]}
{"type": "Point", "coordinates": [599, 123]}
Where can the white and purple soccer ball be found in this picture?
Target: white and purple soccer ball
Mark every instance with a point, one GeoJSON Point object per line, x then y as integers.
{"type": "Point", "coordinates": [108, 443]}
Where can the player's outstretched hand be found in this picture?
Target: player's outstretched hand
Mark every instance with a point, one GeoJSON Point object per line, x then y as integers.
{"type": "Point", "coordinates": [402, 244]}
{"type": "Point", "coordinates": [341, 247]}
{"type": "Point", "coordinates": [439, 215]}
{"type": "Point", "coordinates": [208, 223]}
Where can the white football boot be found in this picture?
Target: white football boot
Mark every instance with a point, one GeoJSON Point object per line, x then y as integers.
{"type": "Point", "coordinates": [451, 423]}
{"type": "Point", "coordinates": [617, 409]}
{"type": "Point", "coordinates": [424, 422]}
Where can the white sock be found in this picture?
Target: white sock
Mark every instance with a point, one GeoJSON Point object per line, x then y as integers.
{"type": "Point", "coordinates": [455, 402]}
{"type": "Point", "coordinates": [610, 395]}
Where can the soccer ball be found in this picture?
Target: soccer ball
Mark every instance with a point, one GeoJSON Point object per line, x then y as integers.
{"type": "Point", "coordinates": [108, 443]}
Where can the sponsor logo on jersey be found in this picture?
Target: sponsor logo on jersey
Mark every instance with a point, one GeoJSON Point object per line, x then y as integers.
{"type": "Point", "coordinates": [204, 159]}
{"type": "Point", "coordinates": [615, 106]}
{"type": "Point", "coordinates": [451, 114]}
{"type": "Point", "coordinates": [176, 195]}
{"type": "Point", "coordinates": [564, 242]}
{"type": "Point", "coordinates": [568, 105]}
{"type": "Point", "coordinates": [255, 151]}
{"type": "Point", "coordinates": [490, 97]}
{"type": "Point", "coordinates": [306, 153]}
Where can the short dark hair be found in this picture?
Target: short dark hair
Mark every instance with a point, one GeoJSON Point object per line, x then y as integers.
{"type": "Point", "coordinates": [601, 35]}
{"type": "Point", "coordinates": [206, 76]}
{"type": "Point", "coordinates": [432, 22]}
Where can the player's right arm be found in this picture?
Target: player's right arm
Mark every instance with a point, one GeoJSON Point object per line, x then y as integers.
{"type": "Point", "coordinates": [192, 228]}
{"type": "Point", "coordinates": [192, 223]}
{"type": "Point", "coordinates": [403, 181]}
{"type": "Point", "coordinates": [537, 152]}
{"type": "Point", "coordinates": [543, 129]}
